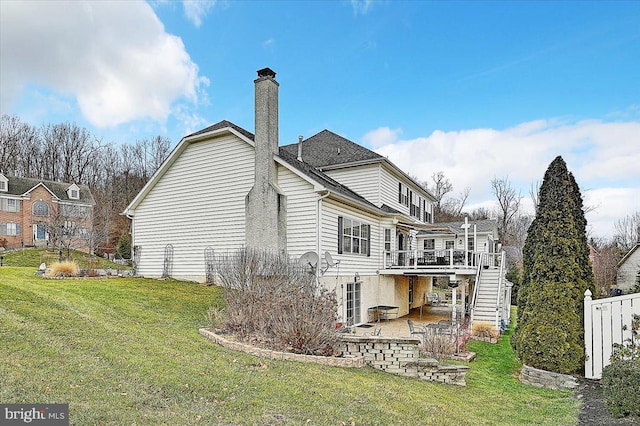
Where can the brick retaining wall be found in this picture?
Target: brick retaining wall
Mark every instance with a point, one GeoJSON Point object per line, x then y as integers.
{"type": "Point", "coordinates": [347, 361]}
{"type": "Point", "coordinates": [392, 355]}
{"type": "Point", "coordinates": [400, 356]}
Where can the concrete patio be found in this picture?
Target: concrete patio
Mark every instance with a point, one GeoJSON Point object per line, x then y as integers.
{"type": "Point", "coordinates": [399, 327]}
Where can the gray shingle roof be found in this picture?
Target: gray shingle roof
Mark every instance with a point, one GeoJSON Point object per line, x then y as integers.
{"type": "Point", "coordinates": [222, 125]}
{"type": "Point", "coordinates": [328, 149]}
{"type": "Point", "coordinates": [20, 185]}
{"type": "Point", "coordinates": [323, 179]}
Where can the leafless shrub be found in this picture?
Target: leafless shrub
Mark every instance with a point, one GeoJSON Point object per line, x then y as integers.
{"type": "Point", "coordinates": [276, 303]}
{"type": "Point", "coordinates": [438, 345]}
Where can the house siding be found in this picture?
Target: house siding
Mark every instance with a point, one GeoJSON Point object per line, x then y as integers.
{"type": "Point", "coordinates": [364, 180]}
{"type": "Point", "coordinates": [378, 185]}
{"type": "Point", "coordinates": [198, 202]}
{"type": "Point", "coordinates": [628, 271]}
{"type": "Point", "coordinates": [350, 263]}
{"type": "Point", "coordinates": [302, 230]}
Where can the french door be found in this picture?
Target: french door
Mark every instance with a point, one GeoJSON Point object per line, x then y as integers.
{"type": "Point", "coordinates": [353, 302]}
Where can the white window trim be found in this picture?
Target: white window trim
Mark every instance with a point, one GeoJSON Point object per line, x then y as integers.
{"type": "Point", "coordinates": [363, 250]}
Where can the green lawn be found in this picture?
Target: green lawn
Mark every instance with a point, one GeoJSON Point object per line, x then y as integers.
{"type": "Point", "coordinates": [33, 257]}
{"type": "Point", "coordinates": [127, 351]}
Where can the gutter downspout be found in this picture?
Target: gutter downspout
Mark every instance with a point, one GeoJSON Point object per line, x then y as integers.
{"type": "Point", "coordinates": [133, 245]}
{"type": "Point", "coordinates": [319, 228]}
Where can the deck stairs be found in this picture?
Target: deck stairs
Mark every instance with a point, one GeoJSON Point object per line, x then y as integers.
{"type": "Point", "coordinates": [488, 302]}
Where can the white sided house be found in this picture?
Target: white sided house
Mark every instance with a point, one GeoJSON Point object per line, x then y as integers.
{"type": "Point", "coordinates": [629, 270]}
{"type": "Point", "coordinates": [222, 189]}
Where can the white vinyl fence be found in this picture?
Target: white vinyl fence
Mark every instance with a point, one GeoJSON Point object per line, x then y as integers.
{"type": "Point", "coordinates": [603, 326]}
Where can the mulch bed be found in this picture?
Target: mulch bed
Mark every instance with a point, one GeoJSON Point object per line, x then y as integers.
{"type": "Point", "coordinates": [593, 410]}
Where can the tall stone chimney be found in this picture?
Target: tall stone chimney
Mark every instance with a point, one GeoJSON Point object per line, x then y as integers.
{"type": "Point", "coordinates": [265, 205]}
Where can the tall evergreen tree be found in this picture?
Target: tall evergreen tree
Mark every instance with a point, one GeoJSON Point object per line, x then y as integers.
{"type": "Point", "coordinates": [549, 333]}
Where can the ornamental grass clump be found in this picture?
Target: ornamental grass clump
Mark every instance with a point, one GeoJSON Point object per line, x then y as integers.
{"type": "Point", "coordinates": [273, 302]}
{"type": "Point", "coordinates": [64, 269]}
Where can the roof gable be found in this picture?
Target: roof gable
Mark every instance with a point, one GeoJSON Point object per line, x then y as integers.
{"type": "Point", "coordinates": [628, 255]}
{"type": "Point", "coordinates": [3, 183]}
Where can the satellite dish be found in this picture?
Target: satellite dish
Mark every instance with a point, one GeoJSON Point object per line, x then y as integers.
{"type": "Point", "coordinates": [329, 259]}
{"type": "Point", "coordinates": [330, 263]}
{"type": "Point", "coordinates": [310, 259]}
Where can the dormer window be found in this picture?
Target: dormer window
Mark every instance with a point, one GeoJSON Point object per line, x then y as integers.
{"type": "Point", "coordinates": [4, 183]}
{"type": "Point", "coordinates": [73, 192]}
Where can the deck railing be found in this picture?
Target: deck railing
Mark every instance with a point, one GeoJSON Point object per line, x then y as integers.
{"type": "Point", "coordinates": [420, 259]}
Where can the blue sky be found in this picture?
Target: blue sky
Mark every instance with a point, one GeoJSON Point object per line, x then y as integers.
{"type": "Point", "coordinates": [475, 89]}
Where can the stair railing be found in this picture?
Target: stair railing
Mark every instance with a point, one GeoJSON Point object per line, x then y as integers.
{"type": "Point", "coordinates": [500, 284]}
{"type": "Point", "coordinates": [475, 287]}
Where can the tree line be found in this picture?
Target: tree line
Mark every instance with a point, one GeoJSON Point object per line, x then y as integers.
{"type": "Point", "coordinates": [66, 152]}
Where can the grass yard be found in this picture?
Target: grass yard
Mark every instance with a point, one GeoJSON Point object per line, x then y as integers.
{"type": "Point", "coordinates": [32, 257]}
{"type": "Point", "coordinates": [127, 351]}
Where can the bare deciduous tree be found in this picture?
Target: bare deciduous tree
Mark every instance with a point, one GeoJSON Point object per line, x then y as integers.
{"type": "Point", "coordinates": [508, 204]}
{"type": "Point", "coordinates": [628, 231]}
{"type": "Point", "coordinates": [441, 187]}
{"type": "Point", "coordinates": [606, 255]}
{"type": "Point", "coordinates": [534, 193]}
{"type": "Point", "coordinates": [69, 153]}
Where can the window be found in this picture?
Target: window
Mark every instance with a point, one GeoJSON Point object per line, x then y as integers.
{"type": "Point", "coordinates": [40, 208]}
{"type": "Point", "coordinates": [403, 194]}
{"type": "Point", "coordinates": [10, 205]}
{"type": "Point", "coordinates": [470, 244]}
{"type": "Point", "coordinates": [429, 244]}
{"type": "Point", "coordinates": [73, 192]}
{"type": "Point", "coordinates": [449, 245]}
{"type": "Point", "coordinates": [83, 233]}
{"type": "Point", "coordinates": [415, 202]}
{"type": "Point", "coordinates": [12, 229]}
{"type": "Point", "coordinates": [353, 236]}
{"type": "Point", "coordinates": [3, 186]}
{"type": "Point", "coordinates": [69, 210]}
{"type": "Point", "coordinates": [69, 228]}
{"type": "Point", "coordinates": [387, 239]}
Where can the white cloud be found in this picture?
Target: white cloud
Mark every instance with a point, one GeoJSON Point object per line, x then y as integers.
{"type": "Point", "coordinates": [195, 10]}
{"type": "Point", "coordinates": [381, 136]}
{"type": "Point", "coordinates": [602, 155]}
{"type": "Point", "coordinates": [611, 204]}
{"type": "Point", "coordinates": [269, 43]}
{"type": "Point", "coordinates": [360, 7]}
{"type": "Point", "coordinates": [114, 58]}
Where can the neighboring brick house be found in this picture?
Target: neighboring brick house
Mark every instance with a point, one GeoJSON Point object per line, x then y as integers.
{"type": "Point", "coordinates": [40, 213]}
